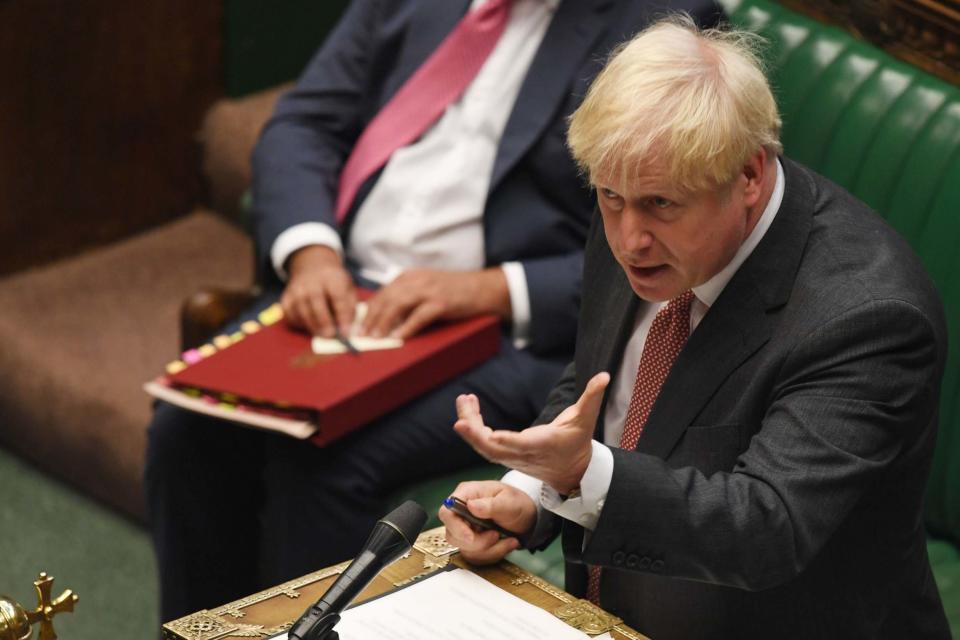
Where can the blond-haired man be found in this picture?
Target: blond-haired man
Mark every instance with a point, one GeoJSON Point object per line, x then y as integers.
{"type": "Point", "coordinates": [754, 466]}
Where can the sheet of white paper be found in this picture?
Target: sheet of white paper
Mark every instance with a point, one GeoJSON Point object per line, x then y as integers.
{"type": "Point", "coordinates": [452, 605]}
{"type": "Point", "coordinates": [329, 346]}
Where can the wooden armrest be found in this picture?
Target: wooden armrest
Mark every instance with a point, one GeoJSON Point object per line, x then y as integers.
{"type": "Point", "coordinates": [207, 310]}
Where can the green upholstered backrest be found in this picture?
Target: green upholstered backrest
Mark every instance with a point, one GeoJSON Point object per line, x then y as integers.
{"type": "Point", "coordinates": [890, 134]}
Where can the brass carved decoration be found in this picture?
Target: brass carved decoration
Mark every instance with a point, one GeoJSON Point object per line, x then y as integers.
{"type": "Point", "coordinates": [522, 576]}
{"type": "Point", "coordinates": [15, 621]}
{"type": "Point", "coordinates": [258, 631]}
{"type": "Point", "coordinates": [434, 543]}
{"type": "Point", "coordinates": [433, 562]}
{"type": "Point", "coordinates": [214, 624]}
{"type": "Point", "coordinates": [572, 610]}
{"type": "Point", "coordinates": [436, 555]}
{"type": "Point", "coordinates": [206, 626]}
{"type": "Point", "coordinates": [201, 626]}
{"type": "Point", "coordinates": [587, 617]}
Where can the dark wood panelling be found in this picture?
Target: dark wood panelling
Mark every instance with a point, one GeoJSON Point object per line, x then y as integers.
{"type": "Point", "coordinates": [925, 33]}
{"type": "Point", "coordinates": [100, 101]}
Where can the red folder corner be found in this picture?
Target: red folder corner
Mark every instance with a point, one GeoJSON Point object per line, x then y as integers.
{"type": "Point", "coordinates": [275, 367]}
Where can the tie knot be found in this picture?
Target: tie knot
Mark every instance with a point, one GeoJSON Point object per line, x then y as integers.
{"type": "Point", "coordinates": [681, 304]}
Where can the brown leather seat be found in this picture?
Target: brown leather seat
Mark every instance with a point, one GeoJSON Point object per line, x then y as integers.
{"type": "Point", "coordinates": [80, 336]}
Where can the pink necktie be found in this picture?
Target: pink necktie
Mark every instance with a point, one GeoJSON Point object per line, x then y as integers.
{"type": "Point", "coordinates": [667, 335]}
{"type": "Point", "coordinates": [439, 81]}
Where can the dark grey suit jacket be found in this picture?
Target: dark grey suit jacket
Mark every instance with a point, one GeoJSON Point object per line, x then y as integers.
{"type": "Point", "coordinates": [777, 489]}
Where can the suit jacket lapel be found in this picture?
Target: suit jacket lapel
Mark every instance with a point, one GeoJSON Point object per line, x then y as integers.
{"type": "Point", "coordinates": [432, 22]}
{"type": "Point", "coordinates": [575, 27]}
{"type": "Point", "coordinates": [738, 324]}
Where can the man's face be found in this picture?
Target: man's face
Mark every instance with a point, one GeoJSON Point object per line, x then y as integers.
{"type": "Point", "coordinates": [668, 242]}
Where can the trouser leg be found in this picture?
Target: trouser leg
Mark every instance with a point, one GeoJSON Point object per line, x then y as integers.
{"type": "Point", "coordinates": [203, 484]}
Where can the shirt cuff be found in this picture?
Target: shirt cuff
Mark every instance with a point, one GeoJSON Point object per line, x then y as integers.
{"type": "Point", "coordinates": [543, 529]}
{"type": "Point", "coordinates": [299, 236]}
{"type": "Point", "coordinates": [585, 508]}
{"type": "Point", "coordinates": [519, 302]}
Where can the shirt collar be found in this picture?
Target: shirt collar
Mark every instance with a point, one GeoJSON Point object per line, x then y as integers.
{"type": "Point", "coordinates": [709, 291]}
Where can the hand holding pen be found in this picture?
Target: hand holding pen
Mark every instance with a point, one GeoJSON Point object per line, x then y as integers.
{"type": "Point", "coordinates": [459, 507]}
{"type": "Point", "coordinates": [511, 513]}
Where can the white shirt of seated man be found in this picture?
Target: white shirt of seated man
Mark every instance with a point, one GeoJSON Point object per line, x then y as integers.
{"type": "Point", "coordinates": [426, 208]}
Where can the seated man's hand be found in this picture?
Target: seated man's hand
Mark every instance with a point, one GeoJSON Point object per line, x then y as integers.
{"type": "Point", "coordinates": [509, 507]}
{"type": "Point", "coordinates": [557, 453]}
{"type": "Point", "coordinates": [419, 297]}
{"type": "Point", "coordinates": [319, 296]}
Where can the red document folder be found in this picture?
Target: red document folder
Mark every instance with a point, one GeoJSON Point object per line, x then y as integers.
{"type": "Point", "coordinates": [274, 372]}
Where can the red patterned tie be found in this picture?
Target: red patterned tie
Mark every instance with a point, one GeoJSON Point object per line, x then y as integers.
{"type": "Point", "coordinates": [439, 81]}
{"type": "Point", "coordinates": [667, 335]}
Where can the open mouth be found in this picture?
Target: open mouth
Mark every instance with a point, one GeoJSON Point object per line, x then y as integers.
{"type": "Point", "coordinates": [647, 272]}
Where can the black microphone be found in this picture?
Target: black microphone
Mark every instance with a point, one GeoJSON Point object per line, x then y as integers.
{"type": "Point", "coordinates": [392, 536]}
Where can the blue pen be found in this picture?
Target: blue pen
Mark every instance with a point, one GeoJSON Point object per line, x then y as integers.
{"type": "Point", "coordinates": [459, 507]}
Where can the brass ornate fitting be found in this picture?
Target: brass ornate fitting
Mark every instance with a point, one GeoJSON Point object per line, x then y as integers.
{"type": "Point", "coordinates": [15, 621]}
{"type": "Point", "coordinates": [14, 624]}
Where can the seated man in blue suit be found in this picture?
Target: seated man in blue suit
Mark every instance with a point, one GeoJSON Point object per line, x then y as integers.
{"type": "Point", "coordinates": [740, 446]}
{"type": "Point", "coordinates": [480, 210]}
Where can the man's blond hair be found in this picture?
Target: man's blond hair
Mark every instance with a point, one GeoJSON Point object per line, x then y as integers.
{"type": "Point", "coordinates": [695, 100]}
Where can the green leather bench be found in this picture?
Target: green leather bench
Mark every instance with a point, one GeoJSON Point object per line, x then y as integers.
{"type": "Point", "coordinates": [890, 134]}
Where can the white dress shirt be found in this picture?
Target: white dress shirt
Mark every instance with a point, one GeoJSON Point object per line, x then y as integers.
{"type": "Point", "coordinates": [585, 509]}
{"type": "Point", "coordinates": [426, 208]}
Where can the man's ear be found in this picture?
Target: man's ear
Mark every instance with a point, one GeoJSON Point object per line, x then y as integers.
{"type": "Point", "coordinates": [756, 172]}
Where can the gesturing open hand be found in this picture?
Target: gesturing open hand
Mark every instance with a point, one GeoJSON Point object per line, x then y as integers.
{"type": "Point", "coordinates": [557, 453]}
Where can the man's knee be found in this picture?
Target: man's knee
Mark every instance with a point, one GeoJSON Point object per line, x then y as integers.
{"type": "Point", "coordinates": [187, 446]}
{"type": "Point", "coordinates": [173, 433]}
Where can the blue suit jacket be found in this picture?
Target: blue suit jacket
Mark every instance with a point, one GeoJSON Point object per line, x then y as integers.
{"type": "Point", "coordinates": [538, 208]}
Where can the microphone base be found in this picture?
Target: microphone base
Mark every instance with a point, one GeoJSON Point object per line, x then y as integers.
{"type": "Point", "coordinates": [315, 629]}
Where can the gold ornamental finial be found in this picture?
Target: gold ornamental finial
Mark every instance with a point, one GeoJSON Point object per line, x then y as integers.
{"type": "Point", "coordinates": [15, 621]}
